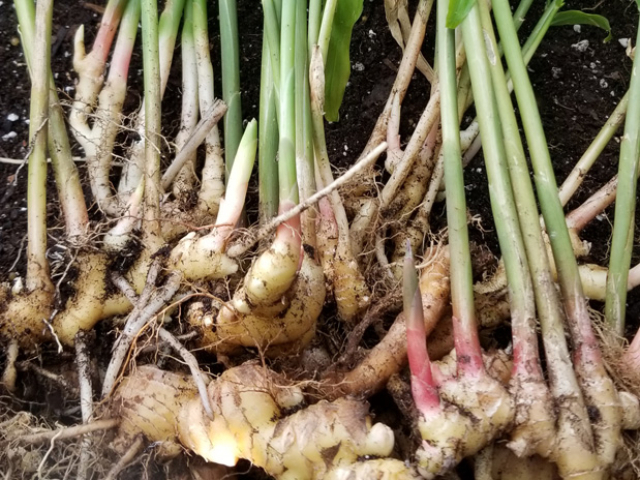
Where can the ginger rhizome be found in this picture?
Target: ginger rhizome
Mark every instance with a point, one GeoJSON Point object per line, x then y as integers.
{"type": "Point", "coordinates": [250, 421]}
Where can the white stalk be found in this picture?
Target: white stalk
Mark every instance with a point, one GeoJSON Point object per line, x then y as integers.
{"type": "Point", "coordinates": [212, 187]}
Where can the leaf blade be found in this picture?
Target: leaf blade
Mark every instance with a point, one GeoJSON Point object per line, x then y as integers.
{"type": "Point", "coordinates": [458, 10]}
{"type": "Point", "coordinates": [338, 64]}
{"type": "Point", "coordinates": [577, 17]}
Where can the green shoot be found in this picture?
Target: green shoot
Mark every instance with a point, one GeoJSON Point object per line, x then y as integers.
{"type": "Point", "coordinates": [592, 153]}
{"type": "Point", "coordinates": [596, 384]}
{"type": "Point", "coordinates": [151, 64]}
{"type": "Point", "coordinates": [167, 34]}
{"type": "Point", "coordinates": [288, 184]}
{"type": "Point", "coordinates": [37, 263]}
{"type": "Point", "coordinates": [623, 226]}
{"type": "Point", "coordinates": [65, 171]}
{"type": "Point", "coordinates": [230, 79]}
{"type": "Point", "coordinates": [544, 175]}
{"type": "Point", "coordinates": [461, 275]}
{"type": "Point", "coordinates": [304, 133]}
{"type": "Point", "coordinates": [272, 36]}
{"type": "Point", "coordinates": [315, 20]}
{"type": "Point", "coordinates": [268, 138]}
{"type": "Point", "coordinates": [324, 35]}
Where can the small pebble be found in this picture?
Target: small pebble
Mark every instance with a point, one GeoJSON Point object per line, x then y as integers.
{"type": "Point", "coordinates": [9, 136]}
{"type": "Point", "coordinates": [603, 83]}
{"type": "Point", "coordinates": [581, 46]}
{"type": "Point", "coordinates": [624, 42]}
{"type": "Point", "coordinates": [358, 67]}
{"type": "Point", "coordinates": [12, 117]}
{"type": "Point", "coordinates": [577, 28]}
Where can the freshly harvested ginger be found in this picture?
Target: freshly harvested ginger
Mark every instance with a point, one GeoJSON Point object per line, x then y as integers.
{"type": "Point", "coordinates": [327, 440]}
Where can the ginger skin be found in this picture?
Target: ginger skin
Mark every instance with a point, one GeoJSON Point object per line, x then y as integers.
{"type": "Point", "coordinates": [326, 440]}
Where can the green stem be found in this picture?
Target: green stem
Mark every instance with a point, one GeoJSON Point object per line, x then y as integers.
{"type": "Point", "coordinates": [547, 300]}
{"type": "Point", "coordinates": [37, 263]}
{"type": "Point", "coordinates": [213, 172]}
{"type": "Point", "coordinates": [315, 20]}
{"type": "Point", "coordinates": [623, 226]}
{"type": "Point", "coordinates": [66, 174]}
{"type": "Point", "coordinates": [589, 157]}
{"type": "Point", "coordinates": [552, 211]}
{"type": "Point", "coordinates": [304, 133]}
{"type": "Point", "coordinates": [527, 368]}
{"type": "Point", "coordinates": [540, 30]}
{"type": "Point", "coordinates": [535, 37]}
{"type": "Point", "coordinates": [167, 34]}
{"type": "Point", "coordinates": [186, 178]}
{"type": "Point", "coordinates": [272, 36]}
{"type": "Point", "coordinates": [461, 276]}
{"type": "Point", "coordinates": [268, 138]}
{"type": "Point", "coordinates": [597, 387]}
{"type": "Point", "coordinates": [288, 185]}
{"type": "Point", "coordinates": [482, 56]}
{"type": "Point", "coordinates": [150, 59]}
{"type": "Point", "coordinates": [521, 13]}
{"type": "Point", "coordinates": [230, 79]}
{"type": "Point", "coordinates": [465, 95]}
{"type": "Point", "coordinates": [324, 36]}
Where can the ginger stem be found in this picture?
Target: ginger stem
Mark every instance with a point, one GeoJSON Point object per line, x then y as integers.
{"type": "Point", "coordinates": [423, 388]}
{"type": "Point", "coordinates": [37, 263]}
{"type": "Point", "coordinates": [150, 57]}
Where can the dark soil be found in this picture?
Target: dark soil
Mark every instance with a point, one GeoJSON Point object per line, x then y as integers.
{"type": "Point", "coordinates": [577, 90]}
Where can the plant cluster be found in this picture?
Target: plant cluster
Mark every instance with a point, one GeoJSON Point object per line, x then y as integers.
{"type": "Point", "coordinates": [348, 245]}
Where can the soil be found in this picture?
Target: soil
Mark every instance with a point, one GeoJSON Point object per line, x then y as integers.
{"type": "Point", "coordinates": [578, 81]}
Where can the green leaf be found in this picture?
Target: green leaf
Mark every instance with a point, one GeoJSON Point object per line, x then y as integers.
{"type": "Point", "coordinates": [458, 10]}
{"type": "Point", "coordinates": [338, 65]}
{"type": "Point", "coordinates": [576, 17]}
